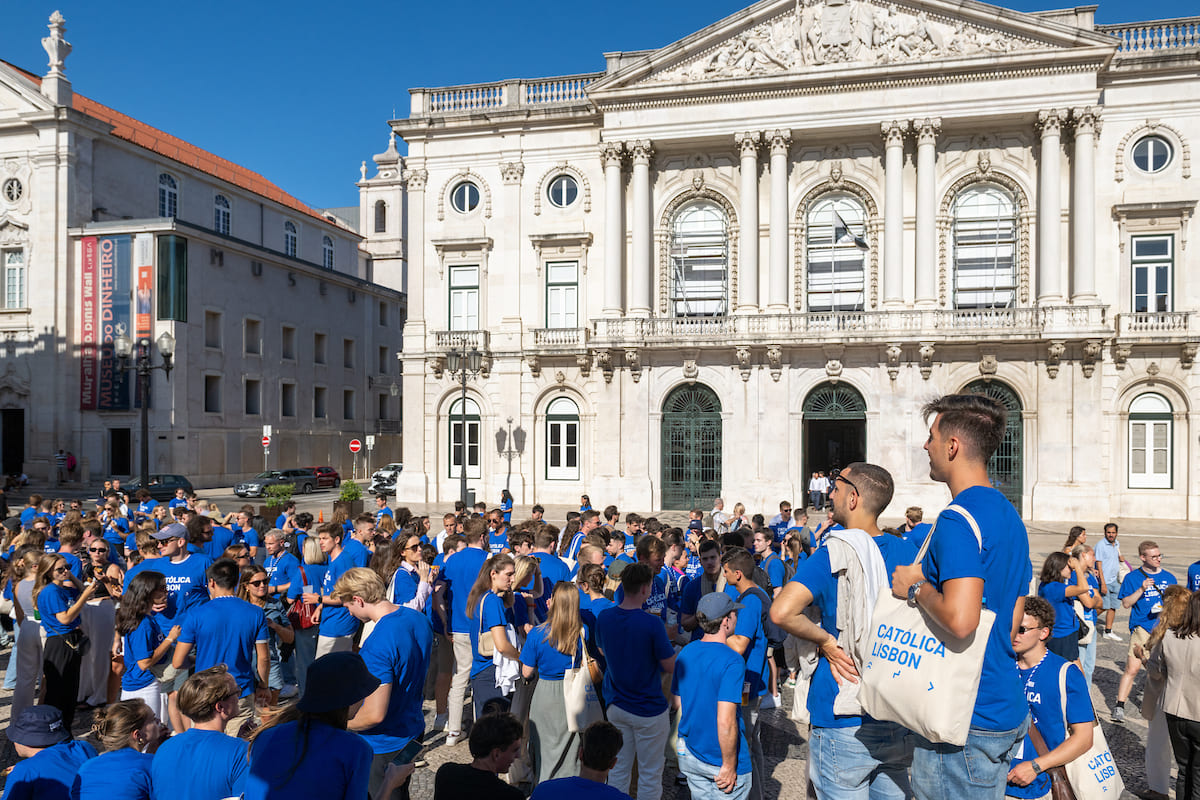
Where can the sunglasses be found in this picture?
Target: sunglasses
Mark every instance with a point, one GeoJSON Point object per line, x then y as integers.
{"type": "Point", "coordinates": [1023, 629]}
{"type": "Point", "coordinates": [256, 583]}
{"type": "Point", "coordinates": [414, 548]}
{"type": "Point", "coordinates": [846, 481]}
{"type": "Point", "coordinates": [97, 549]}
{"type": "Point", "coordinates": [61, 570]}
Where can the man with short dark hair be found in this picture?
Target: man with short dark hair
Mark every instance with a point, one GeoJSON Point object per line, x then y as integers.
{"type": "Point", "coordinates": [553, 568]}
{"type": "Point", "coordinates": [495, 742]}
{"type": "Point", "coordinates": [749, 640]}
{"type": "Point", "coordinates": [599, 744]}
{"type": "Point", "coordinates": [1109, 561]}
{"type": "Point", "coordinates": [537, 512]}
{"type": "Point", "coordinates": [337, 628]}
{"type": "Point", "coordinates": [588, 521]}
{"type": "Point", "coordinates": [1141, 592]}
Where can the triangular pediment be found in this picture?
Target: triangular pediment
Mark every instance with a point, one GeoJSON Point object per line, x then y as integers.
{"type": "Point", "coordinates": [19, 94]}
{"type": "Point", "coordinates": [777, 38]}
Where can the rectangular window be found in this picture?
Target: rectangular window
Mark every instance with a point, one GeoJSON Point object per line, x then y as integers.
{"type": "Point", "coordinates": [1149, 454]}
{"type": "Point", "coordinates": [287, 399]}
{"type": "Point", "coordinates": [172, 278]}
{"type": "Point", "coordinates": [14, 279]}
{"type": "Point", "coordinates": [1153, 260]}
{"type": "Point", "coordinates": [318, 348]}
{"type": "Point", "coordinates": [464, 298]}
{"type": "Point", "coordinates": [472, 446]}
{"type": "Point", "coordinates": [562, 295]}
{"type": "Point", "coordinates": [383, 406]}
{"type": "Point", "coordinates": [562, 449]}
{"type": "Point", "coordinates": [383, 314]}
{"type": "Point", "coordinates": [212, 329]}
{"type": "Point", "coordinates": [383, 361]}
{"type": "Point", "coordinates": [287, 336]}
{"type": "Point", "coordinates": [212, 394]}
{"type": "Point", "coordinates": [253, 338]}
{"type": "Point", "coordinates": [348, 353]}
{"type": "Point", "coordinates": [253, 397]}
{"type": "Point", "coordinates": [319, 402]}
{"type": "Point", "coordinates": [348, 404]}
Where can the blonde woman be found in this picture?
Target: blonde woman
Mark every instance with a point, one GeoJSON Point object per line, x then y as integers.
{"type": "Point", "coordinates": [25, 661]}
{"type": "Point", "coordinates": [528, 588]}
{"type": "Point", "coordinates": [490, 614]}
{"type": "Point", "coordinates": [550, 650]}
{"type": "Point", "coordinates": [738, 518]}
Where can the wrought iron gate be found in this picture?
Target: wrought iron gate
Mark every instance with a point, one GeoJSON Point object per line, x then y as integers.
{"type": "Point", "coordinates": [1006, 467]}
{"type": "Point", "coordinates": [691, 448]}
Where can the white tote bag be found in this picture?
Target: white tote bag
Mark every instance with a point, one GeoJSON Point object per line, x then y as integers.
{"type": "Point", "coordinates": [1093, 775]}
{"type": "Point", "coordinates": [579, 695]}
{"type": "Point", "coordinates": [918, 674]}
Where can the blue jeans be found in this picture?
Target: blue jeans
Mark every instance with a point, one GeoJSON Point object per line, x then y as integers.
{"type": "Point", "coordinates": [1087, 655]}
{"type": "Point", "coordinates": [864, 762]}
{"type": "Point", "coordinates": [10, 674]}
{"type": "Point", "coordinates": [978, 770]}
{"type": "Point", "coordinates": [702, 777]}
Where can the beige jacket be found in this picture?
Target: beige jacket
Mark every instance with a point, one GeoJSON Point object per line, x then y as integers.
{"type": "Point", "coordinates": [1178, 661]}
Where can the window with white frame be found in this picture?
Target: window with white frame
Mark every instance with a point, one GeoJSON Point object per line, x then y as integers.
{"type": "Point", "coordinates": [1151, 154]}
{"type": "Point", "coordinates": [985, 263]}
{"type": "Point", "coordinates": [168, 196]}
{"type": "Point", "coordinates": [380, 216]}
{"type": "Point", "coordinates": [14, 278]}
{"type": "Point", "coordinates": [562, 440]}
{"type": "Point", "coordinates": [464, 438]}
{"type": "Point", "coordinates": [289, 239]}
{"type": "Point", "coordinates": [836, 248]}
{"type": "Point", "coordinates": [1152, 261]}
{"type": "Point", "coordinates": [326, 252]}
{"type": "Point", "coordinates": [700, 261]}
{"type": "Point", "coordinates": [464, 298]}
{"type": "Point", "coordinates": [562, 191]}
{"type": "Point", "coordinates": [221, 214]}
{"type": "Point", "coordinates": [1150, 437]}
{"type": "Point", "coordinates": [562, 294]}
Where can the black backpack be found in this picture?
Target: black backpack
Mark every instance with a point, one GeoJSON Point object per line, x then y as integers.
{"type": "Point", "coordinates": [763, 580]}
{"type": "Point", "coordinates": [789, 567]}
{"type": "Point", "coordinates": [775, 634]}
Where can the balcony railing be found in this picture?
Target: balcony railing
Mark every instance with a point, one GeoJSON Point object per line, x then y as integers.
{"type": "Point", "coordinates": [1155, 36]}
{"type": "Point", "coordinates": [461, 340]}
{"type": "Point", "coordinates": [560, 337]}
{"type": "Point", "coordinates": [387, 426]}
{"type": "Point", "coordinates": [564, 90]}
{"type": "Point", "coordinates": [1158, 323]}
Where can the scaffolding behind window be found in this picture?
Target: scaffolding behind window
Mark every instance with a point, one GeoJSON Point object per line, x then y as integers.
{"type": "Point", "coordinates": [836, 251]}
{"type": "Point", "coordinates": [700, 261]}
{"type": "Point", "coordinates": [985, 262]}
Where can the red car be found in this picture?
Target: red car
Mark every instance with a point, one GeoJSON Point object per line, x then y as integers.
{"type": "Point", "coordinates": [327, 477]}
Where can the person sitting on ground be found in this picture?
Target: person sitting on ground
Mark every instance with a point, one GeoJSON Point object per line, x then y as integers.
{"type": "Point", "coordinates": [203, 762]}
{"type": "Point", "coordinates": [494, 741]}
{"type": "Point", "coordinates": [51, 757]}
{"type": "Point", "coordinates": [598, 747]}
{"type": "Point", "coordinates": [129, 734]}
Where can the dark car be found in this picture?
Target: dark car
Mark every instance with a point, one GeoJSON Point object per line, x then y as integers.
{"type": "Point", "coordinates": [327, 477]}
{"type": "Point", "coordinates": [162, 487]}
{"type": "Point", "coordinates": [304, 481]}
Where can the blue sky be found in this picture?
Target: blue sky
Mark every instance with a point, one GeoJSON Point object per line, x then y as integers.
{"type": "Point", "coordinates": [301, 91]}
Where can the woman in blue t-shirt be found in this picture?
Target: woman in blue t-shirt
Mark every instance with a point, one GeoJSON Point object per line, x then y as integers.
{"type": "Point", "coordinates": [128, 733]}
{"type": "Point", "coordinates": [550, 650]}
{"type": "Point", "coordinates": [1053, 585]}
{"type": "Point", "coordinates": [312, 573]}
{"type": "Point", "coordinates": [145, 648]}
{"type": "Point", "coordinates": [57, 598]}
{"type": "Point", "coordinates": [506, 505]}
{"type": "Point", "coordinates": [489, 607]}
{"type": "Point", "coordinates": [254, 589]}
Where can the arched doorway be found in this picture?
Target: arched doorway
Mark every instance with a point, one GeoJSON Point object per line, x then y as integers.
{"type": "Point", "coordinates": [835, 429]}
{"type": "Point", "coordinates": [1006, 467]}
{"type": "Point", "coordinates": [691, 447]}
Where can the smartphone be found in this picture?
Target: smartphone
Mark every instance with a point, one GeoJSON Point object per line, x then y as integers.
{"type": "Point", "coordinates": [408, 754]}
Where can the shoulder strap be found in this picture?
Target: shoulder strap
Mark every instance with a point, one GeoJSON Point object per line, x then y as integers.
{"type": "Point", "coordinates": [970, 521]}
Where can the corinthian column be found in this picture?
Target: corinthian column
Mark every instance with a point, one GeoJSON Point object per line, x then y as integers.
{"type": "Point", "coordinates": [639, 296]}
{"type": "Point", "coordinates": [614, 228]}
{"type": "Point", "coordinates": [893, 212]}
{"type": "Point", "coordinates": [777, 287]}
{"type": "Point", "coordinates": [926, 256]}
{"type": "Point", "coordinates": [748, 243]}
{"type": "Point", "coordinates": [1083, 210]}
{"type": "Point", "coordinates": [1049, 208]}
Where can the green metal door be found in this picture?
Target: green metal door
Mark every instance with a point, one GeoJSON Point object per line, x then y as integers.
{"type": "Point", "coordinates": [1006, 467]}
{"type": "Point", "coordinates": [691, 448]}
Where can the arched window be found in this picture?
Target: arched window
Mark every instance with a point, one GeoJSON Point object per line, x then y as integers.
{"type": "Point", "coordinates": [168, 196]}
{"type": "Point", "coordinates": [464, 438]}
{"type": "Point", "coordinates": [289, 239]}
{"type": "Point", "coordinates": [985, 251]}
{"type": "Point", "coordinates": [221, 215]}
{"type": "Point", "coordinates": [380, 216]}
{"type": "Point", "coordinates": [1151, 433]}
{"type": "Point", "coordinates": [700, 261]}
{"type": "Point", "coordinates": [836, 250]}
{"type": "Point", "coordinates": [326, 252]}
{"type": "Point", "coordinates": [562, 440]}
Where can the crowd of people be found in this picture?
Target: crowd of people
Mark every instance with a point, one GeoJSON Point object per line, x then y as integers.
{"type": "Point", "coordinates": [225, 656]}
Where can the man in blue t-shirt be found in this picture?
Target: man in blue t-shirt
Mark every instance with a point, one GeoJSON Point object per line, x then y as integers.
{"type": "Point", "coordinates": [638, 652]}
{"type": "Point", "coordinates": [710, 579]}
{"type": "Point", "coordinates": [749, 640]}
{"type": "Point", "coordinates": [851, 754]}
{"type": "Point", "coordinates": [554, 569]}
{"type": "Point", "coordinates": [337, 627]}
{"type": "Point", "coordinates": [1141, 592]}
{"type": "Point", "coordinates": [381, 509]}
{"type": "Point", "coordinates": [283, 568]}
{"type": "Point", "coordinates": [707, 686]}
{"type": "Point", "coordinates": [966, 564]}
{"type": "Point", "coordinates": [1193, 577]}
{"type": "Point", "coordinates": [50, 758]}
{"type": "Point", "coordinates": [458, 574]}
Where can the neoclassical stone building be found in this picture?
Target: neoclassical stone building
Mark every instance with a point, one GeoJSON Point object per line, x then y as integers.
{"type": "Point", "coordinates": [718, 266]}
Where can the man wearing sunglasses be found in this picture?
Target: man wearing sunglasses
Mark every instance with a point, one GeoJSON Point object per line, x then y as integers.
{"type": "Point", "coordinates": [1141, 593]}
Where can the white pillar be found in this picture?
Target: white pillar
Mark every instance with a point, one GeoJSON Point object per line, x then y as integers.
{"type": "Point", "coordinates": [893, 212]}
{"type": "Point", "coordinates": [1083, 211]}
{"type": "Point", "coordinates": [926, 250]}
{"type": "Point", "coordinates": [1050, 209]}
{"type": "Point", "coordinates": [777, 288]}
{"type": "Point", "coordinates": [614, 228]}
{"type": "Point", "coordinates": [747, 144]}
{"type": "Point", "coordinates": [639, 295]}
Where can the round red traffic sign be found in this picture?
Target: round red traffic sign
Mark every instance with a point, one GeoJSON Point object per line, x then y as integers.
{"type": "Point", "coordinates": [355, 445]}
{"type": "Point", "coordinates": [266, 441]}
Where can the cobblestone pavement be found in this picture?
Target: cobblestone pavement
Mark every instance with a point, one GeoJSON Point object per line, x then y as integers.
{"type": "Point", "coordinates": [785, 743]}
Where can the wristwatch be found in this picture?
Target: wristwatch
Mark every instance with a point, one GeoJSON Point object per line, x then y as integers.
{"type": "Point", "coordinates": [912, 591]}
{"type": "Point", "coordinates": [1037, 770]}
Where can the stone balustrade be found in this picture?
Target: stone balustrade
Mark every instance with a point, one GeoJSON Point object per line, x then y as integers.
{"type": "Point", "coordinates": [501, 95]}
{"type": "Point", "coordinates": [1141, 38]}
{"type": "Point", "coordinates": [1158, 323]}
{"type": "Point", "coordinates": [461, 340]}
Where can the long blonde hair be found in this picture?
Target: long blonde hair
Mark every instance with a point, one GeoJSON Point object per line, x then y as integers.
{"type": "Point", "coordinates": [563, 626]}
{"type": "Point", "coordinates": [527, 566]}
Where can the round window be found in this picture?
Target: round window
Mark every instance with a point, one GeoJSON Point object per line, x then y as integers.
{"type": "Point", "coordinates": [1152, 154]}
{"type": "Point", "coordinates": [563, 191]}
{"type": "Point", "coordinates": [12, 190]}
{"type": "Point", "coordinates": [464, 197]}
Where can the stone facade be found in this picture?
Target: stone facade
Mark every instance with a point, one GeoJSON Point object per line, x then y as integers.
{"type": "Point", "coordinates": [718, 266]}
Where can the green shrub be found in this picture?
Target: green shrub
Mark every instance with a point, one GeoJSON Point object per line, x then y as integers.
{"type": "Point", "coordinates": [278, 495]}
{"type": "Point", "coordinates": [350, 492]}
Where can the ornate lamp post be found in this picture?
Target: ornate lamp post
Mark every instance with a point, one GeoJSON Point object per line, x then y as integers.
{"type": "Point", "coordinates": [463, 365]}
{"type": "Point", "coordinates": [142, 365]}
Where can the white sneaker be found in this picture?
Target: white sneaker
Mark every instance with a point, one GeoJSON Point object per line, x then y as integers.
{"type": "Point", "coordinates": [452, 739]}
{"type": "Point", "coordinates": [289, 691]}
{"type": "Point", "coordinates": [1113, 635]}
{"type": "Point", "coordinates": [439, 722]}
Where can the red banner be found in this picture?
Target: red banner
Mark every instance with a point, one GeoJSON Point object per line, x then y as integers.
{"type": "Point", "coordinates": [88, 330]}
{"type": "Point", "coordinates": [143, 254]}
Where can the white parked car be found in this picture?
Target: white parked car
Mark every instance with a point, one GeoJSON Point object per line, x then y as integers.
{"type": "Point", "coordinates": [383, 480]}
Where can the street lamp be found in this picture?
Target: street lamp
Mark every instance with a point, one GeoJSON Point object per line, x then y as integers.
{"type": "Point", "coordinates": [464, 366]}
{"type": "Point", "coordinates": [141, 364]}
{"type": "Point", "coordinates": [510, 444]}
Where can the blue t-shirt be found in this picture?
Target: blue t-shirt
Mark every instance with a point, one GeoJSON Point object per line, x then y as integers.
{"type": "Point", "coordinates": [250, 538]}
{"type": "Point", "coordinates": [54, 599]}
{"type": "Point", "coordinates": [491, 613]}
{"type": "Point", "coordinates": [200, 765]}
{"type": "Point", "coordinates": [407, 582]}
{"type": "Point", "coordinates": [140, 645]}
{"type": "Point", "coordinates": [48, 775]}
{"type": "Point", "coordinates": [577, 789]}
{"type": "Point", "coordinates": [380, 513]}
{"type": "Point", "coordinates": [690, 598]}
{"type": "Point", "coordinates": [551, 664]}
{"type": "Point", "coordinates": [75, 565]}
{"type": "Point", "coordinates": [1005, 569]}
{"type": "Point", "coordinates": [222, 537]}
{"type": "Point", "coordinates": [774, 567]}
{"type": "Point", "coordinates": [337, 764]}
{"type": "Point", "coordinates": [461, 570]}
{"type": "Point", "coordinates": [397, 653]}
{"type": "Point", "coordinates": [176, 502]}
{"type": "Point", "coordinates": [120, 775]}
{"type": "Point", "coordinates": [1146, 610]}
{"type": "Point", "coordinates": [707, 673]}
{"type": "Point", "coordinates": [336, 620]}
{"type": "Point", "coordinates": [1065, 621]}
{"type": "Point", "coordinates": [916, 537]}
{"type": "Point", "coordinates": [225, 631]}
{"type": "Point", "coordinates": [750, 625]}
{"type": "Point", "coordinates": [1042, 693]}
{"type": "Point", "coordinates": [630, 546]}
{"type": "Point", "coordinates": [497, 541]}
{"type": "Point", "coordinates": [187, 586]}
{"type": "Point", "coordinates": [358, 552]}
{"type": "Point", "coordinates": [146, 507]}
{"type": "Point", "coordinates": [506, 507]}
{"type": "Point", "coordinates": [1193, 579]}
{"type": "Point", "coordinates": [1089, 614]}
{"type": "Point", "coordinates": [634, 644]}
{"type": "Point", "coordinates": [554, 569]}
{"type": "Point", "coordinates": [281, 569]}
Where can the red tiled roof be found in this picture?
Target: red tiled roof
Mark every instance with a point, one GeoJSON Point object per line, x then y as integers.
{"type": "Point", "coordinates": [174, 148]}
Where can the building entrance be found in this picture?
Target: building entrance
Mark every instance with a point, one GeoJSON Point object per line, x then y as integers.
{"type": "Point", "coordinates": [120, 451]}
{"type": "Point", "coordinates": [691, 448]}
{"type": "Point", "coordinates": [12, 441]}
{"type": "Point", "coordinates": [1006, 466]}
{"type": "Point", "coordinates": [835, 429]}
